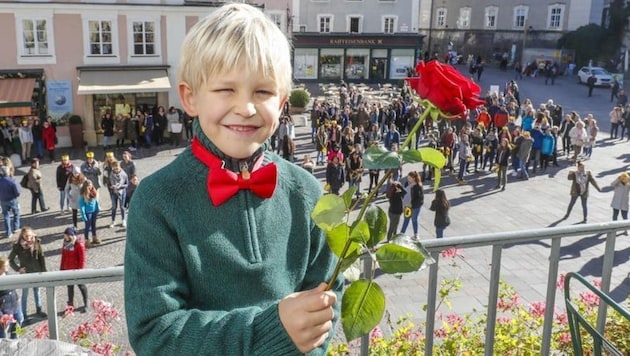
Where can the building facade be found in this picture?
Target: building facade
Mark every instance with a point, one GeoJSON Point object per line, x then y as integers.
{"type": "Point", "coordinates": [62, 58]}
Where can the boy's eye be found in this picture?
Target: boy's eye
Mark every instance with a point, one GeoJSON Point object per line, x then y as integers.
{"type": "Point", "coordinates": [265, 92]}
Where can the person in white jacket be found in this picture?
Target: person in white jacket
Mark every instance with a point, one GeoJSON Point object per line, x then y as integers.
{"type": "Point", "coordinates": [26, 138]}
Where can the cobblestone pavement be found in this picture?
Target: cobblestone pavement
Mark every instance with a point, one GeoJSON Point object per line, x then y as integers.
{"type": "Point", "coordinates": [477, 208]}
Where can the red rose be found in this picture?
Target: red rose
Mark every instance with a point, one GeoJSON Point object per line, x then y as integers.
{"type": "Point", "coordinates": [445, 87]}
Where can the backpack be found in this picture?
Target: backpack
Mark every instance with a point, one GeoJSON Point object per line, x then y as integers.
{"type": "Point", "coordinates": [24, 181]}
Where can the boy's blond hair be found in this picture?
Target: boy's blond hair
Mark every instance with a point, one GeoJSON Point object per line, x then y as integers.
{"type": "Point", "coordinates": [235, 34]}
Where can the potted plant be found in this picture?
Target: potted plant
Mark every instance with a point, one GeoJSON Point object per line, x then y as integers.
{"type": "Point", "coordinates": [76, 131]}
{"type": "Point", "coordinates": [298, 100]}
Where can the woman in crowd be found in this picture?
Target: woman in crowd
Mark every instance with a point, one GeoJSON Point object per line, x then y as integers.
{"type": "Point", "coordinates": [416, 201]}
{"type": "Point", "coordinates": [441, 207]}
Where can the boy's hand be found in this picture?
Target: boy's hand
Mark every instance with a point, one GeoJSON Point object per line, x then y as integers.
{"type": "Point", "coordinates": [307, 316]}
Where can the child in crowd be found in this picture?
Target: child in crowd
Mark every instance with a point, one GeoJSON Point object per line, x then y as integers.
{"type": "Point", "coordinates": [73, 256]}
{"type": "Point", "coordinates": [89, 207]}
{"type": "Point", "coordinates": [234, 265]}
{"type": "Point", "coordinates": [27, 256]}
{"type": "Point", "coordinates": [9, 304]}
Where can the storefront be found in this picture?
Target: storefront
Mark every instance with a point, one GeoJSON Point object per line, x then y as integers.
{"type": "Point", "coordinates": [22, 93]}
{"type": "Point", "coordinates": [369, 58]}
{"type": "Point", "coordinates": [120, 90]}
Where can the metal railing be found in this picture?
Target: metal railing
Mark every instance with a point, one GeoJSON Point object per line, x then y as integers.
{"type": "Point", "coordinates": [50, 280]}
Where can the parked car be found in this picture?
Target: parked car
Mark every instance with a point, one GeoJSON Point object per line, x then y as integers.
{"type": "Point", "coordinates": [604, 79]}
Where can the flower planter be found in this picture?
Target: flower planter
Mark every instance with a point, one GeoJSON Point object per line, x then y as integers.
{"type": "Point", "coordinates": [76, 135]}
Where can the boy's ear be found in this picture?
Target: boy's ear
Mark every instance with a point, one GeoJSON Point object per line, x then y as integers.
{"type": "Point", "coordinates": [283, 101]}
{"type": "Point", "coordinates": [187, 98]}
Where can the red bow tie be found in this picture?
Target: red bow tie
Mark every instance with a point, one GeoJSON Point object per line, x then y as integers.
{"type": "Point", "coordinates": [223, 184]}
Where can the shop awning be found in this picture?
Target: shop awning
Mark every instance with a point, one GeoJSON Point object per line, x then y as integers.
{"type": "Point", "coordinates": [16, 96]}
{"type": "Point", "coordinates": [123, 81]}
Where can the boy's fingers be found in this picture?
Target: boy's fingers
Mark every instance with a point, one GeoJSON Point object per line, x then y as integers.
{"type": "Point", "coordinates": [319, 300]}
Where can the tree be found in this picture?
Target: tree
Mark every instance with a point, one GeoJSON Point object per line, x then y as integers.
{"type": "Point", "coordinates": [586, 41]}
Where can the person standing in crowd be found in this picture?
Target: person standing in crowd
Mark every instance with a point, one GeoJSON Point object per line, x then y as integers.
{"type": "Point", "coordinates": [188, 125]}
{"type": "Point", "coordinates": [91, 169]}
{"type": "Point", "coordinates": [49, 137]}
{"type": "Point", "coordinates": [395, 195]}
{"type": "Point", "coordinates": [73, 192]}
{"type": "Point", "coordinates": [335, 175]}
{"type": "Point", "coordinates": [159, 124]}
{"type": "Point", "coordinates": [273, 318]}
{"type": "Point", "coordinates": [308, 163]}
{"type": "Point", "coordinates": [27, 256]}
{"type": "Point", "coordinates": [465, 156]}
{"type": "Point", "coordinates": [119, 130]}
{"type": "Point", "coordinates": [64, 171]}
{"type": "Point", "coordinates": [9, 304]}
{"type": "Point", "coordinates": [38, 142]}
{"type": "Point", "coordinates": [107, 125]}
{"type": "Point", "coordinates": [35, 186]}
{"type": "Point", "coordinates": [73, 257]}
{"type": "Point", "coordinates": [127, 164]}
{"type": "Point", "coordinates": [416, 200]}
{"type": "Point", "coordinates": [132, 129]}
{"type": "Point", "coordinates": [580, 181]}
{"type": "Point", "coordinates": [441, 207]}
{"type": "Point", "coordinates": [107, 167]}
{"type": "Point", "coordinates": [621, 194]}
{"type": "Point", "coordinates": [354, 166]}
{"type": "Point", "coordinates": [175, 126]}
{"type": "Point", "coordinates": [148, 124]}
{"type": "Point", "coordinates": [321, 145]}
{"type": "Point", "coordinates": [616, 119]}
{"type": "Point", "coordinates": [590, 83]}
{"type": "Point", "coordinates": [288, 148]}
{"type": "Point", "coordinates": [89, 208]}
{"type": "Point", "coordinates": [118, 182]}
{"type": "Point", "coordinates": [548, 148]}
{"type": "Point", "coordinates": [9, 194]}
{"type": "Point", "coordinates": [26, 139]}
{"type": "Point", "coordinates": [131, 188]}
{"type": "Point", "coordinates": [579, 136]}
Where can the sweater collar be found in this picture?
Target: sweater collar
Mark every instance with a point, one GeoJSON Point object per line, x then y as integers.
{"type": "Point", "coordinates": [232, 164]}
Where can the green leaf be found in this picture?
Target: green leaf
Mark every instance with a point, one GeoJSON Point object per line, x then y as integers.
{"type": "Point", "coordinates": [329, 211]}
{"type": "Point", "coordinates": [347, 196]}
{"type": "Point", "coordinates": [351, 258]}
{"type": "Point", "coordinates": [411, 156]}
{"type": "Point", "coordinates": [437, 177]}
{"type": "Point", "coordinates": [360, 232]}
{"type": "Point", "coordinates": [432, 157]}
{"type": "Point", "coordinates": [362, 308]}
{"type": "Point", "coordinates": [376, 219]}
{"type": "Point", "coordinates": [337, 238]}
{"type": "Point", "coordinates": [377, 157]}
{"type": "Point", "coordinates": [394, 258]}
{"type": "Point", "coordinates": [435, 115]}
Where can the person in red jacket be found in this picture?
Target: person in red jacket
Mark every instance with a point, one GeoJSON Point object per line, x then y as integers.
{"type": "Point", "coordinates": [73, 257]}
{"type": "Point", "coordinates": [49, 137]}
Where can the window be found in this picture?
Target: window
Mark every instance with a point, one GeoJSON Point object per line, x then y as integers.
{"type": "Point", "coordinates": [355, 24]}
{"type": "Point", "coordinates": [440, 18]}
{"type": "Point", "coordinates": [35, 37]}
{"type": "Point", "coordinates": [464, 18]}
{"type": "Point", "coordinates": [100, 37]}
{"type": "Point", "coordinates": [325, 23]}
{"type": "Point", "coordinates": [491, 16]}
{"type": "Point", "coordinates": [556, 16]}
{"type": "Point", "coordinates": [520, 16]}
{"type": "Point", "coordinates": [302, 28]}
{"type": "Point", "coordinates": [389, 24]}
{"type": "Point", "coordinates": [143, 38]}
{"type": "Point", "coordinates": [278, 19]}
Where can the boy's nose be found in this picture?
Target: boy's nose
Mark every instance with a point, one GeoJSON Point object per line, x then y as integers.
{"type": "Point", "coordinates": [245, 107]}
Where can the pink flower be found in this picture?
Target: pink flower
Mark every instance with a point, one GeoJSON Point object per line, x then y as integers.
{"type": "Point", "coordinates": [69, 311]}
{"type": "Point", "coordinates": [376, 333]}
{"type": "Point", "coordinates": [504, 320]}
{"type": "Point", "coordinates": [505, 304]}
{"type": "Point", "coordinates": [452, 253]}
{"type": "Point", "coordinates": [560, 283]}
{"type": "Point", "coordinates": [104, 349]}
{"type": "Point", "coordinates": [590, 299]}
{"type": "Point", "coordinates": [564, 338]}
{"type": "Point", "coordinates": [6, 320]}
{"type": "Point", "coordinates": [455, 320]}
{"type": "Point", "coordinates": [41, 331]}
{"type": "Point", "coordinates": [440, 333]}
{"type": "Point", "coordinates": [537, 309]}
{"type": "Point", "coordinates": [562, 318]}
{"type": "Point", "coordinates": [597, 283]}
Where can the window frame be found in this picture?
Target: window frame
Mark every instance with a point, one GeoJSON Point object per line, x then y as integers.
{"type": "Point", "coordinates": [464, 10]}
{"type": "Point", "coordinates": [282, 16]}
{"type": "Point", "coordinates": [440, 19]}
{"type": "Point", "coordinates": [90, 58]}
{"type": "Point", "coordinates": [349, 19]}
{"type": "Point", "coordinates": [394, 20]}
{"type": "Point", "coordinates": [331, 20]}
{"type": "Point", "coordinates": [488, 11]}
{"type": "Point", "coordinates": [157, 40]}
{"type": "Point", "coordinates": [560, 16]}
{"type": "Point", "coordinates": [516, 15]}
{"type": "Point", "coordinates": [35, 58]}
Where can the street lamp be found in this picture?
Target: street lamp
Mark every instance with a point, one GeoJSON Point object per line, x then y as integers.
{"type": "Point", "coordinates": [526, 29]}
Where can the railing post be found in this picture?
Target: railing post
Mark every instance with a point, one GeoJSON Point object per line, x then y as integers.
{"type": "Point", "coordinates": [367, 274]}
{"type": "Point", "coordinates": [53, 327]}
{"type": "Point", "coordinates": [431, 304]}
{"type": "Point", "coordinates": [493, 296]}
{"type": "Point", "coordinates": [552, 276]}
{"type": "Point", "coordinates": [607, 265]}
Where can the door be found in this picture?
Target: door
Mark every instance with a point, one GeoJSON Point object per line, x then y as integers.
{"type": "Point", "coordinates": [378, 68]}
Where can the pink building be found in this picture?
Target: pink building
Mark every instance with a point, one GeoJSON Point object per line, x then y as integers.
{"type": "Point", "coordinates": [73, 57]}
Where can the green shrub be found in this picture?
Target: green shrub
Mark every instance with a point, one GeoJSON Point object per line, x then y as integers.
{"type": "Point", "coordinates": [299, 98]}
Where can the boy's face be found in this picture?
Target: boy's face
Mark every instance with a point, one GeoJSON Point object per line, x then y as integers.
{"type": "Point", "coordinates": [4, 268]}
{"type": "Point", "coordinates": [238, 110]}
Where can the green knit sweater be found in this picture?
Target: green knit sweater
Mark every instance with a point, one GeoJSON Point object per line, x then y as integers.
{"type": "Point", "coordinates": [205, 280]}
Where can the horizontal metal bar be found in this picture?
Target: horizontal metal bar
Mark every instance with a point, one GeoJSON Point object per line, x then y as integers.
{"type": "Point", "coordinates": [62, 278]}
